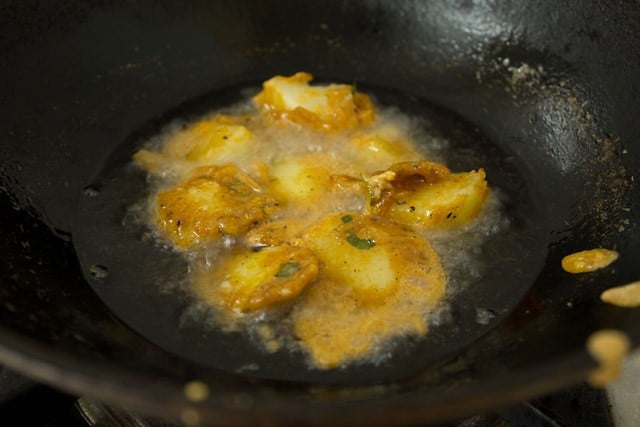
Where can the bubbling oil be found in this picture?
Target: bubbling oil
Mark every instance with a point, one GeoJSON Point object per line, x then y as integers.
{"type": "Point", "coordinates": [409, 313]}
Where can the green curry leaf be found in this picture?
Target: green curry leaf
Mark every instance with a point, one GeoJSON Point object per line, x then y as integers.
{"type": "Point", "coordinates": [359, 243]}
{"type": "Point", "coordinates": [287, 269]}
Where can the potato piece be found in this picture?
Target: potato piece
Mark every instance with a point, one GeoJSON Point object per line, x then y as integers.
{"type": "Point", "coordinates": [361, 252]}
{"type": "Point", "coordinates": [378, 289]}
{"type": "Point", "coordinates": [221, 144]}
{"type": "Point", "coordinates": [299, 179]}
{"type": "Point", "coordinates": [408, 174]}
{"type": "Point", "coordinates": [257, 280]}
{"type": "Point", "coordinates": [384, 187]}
{"type": "Point", "coordinates": [214, 141]}
{"type": "Point", "coordinates": [275, 233]}
{"type": "Point", "coordinates": [377, 150]}
{"type": "Point", "coordinates": [451, 201]}
{"type": "Point", "coordinates": [324, 108]}
{"type": "Point", "coordinates": [214, 201]}
{"type": "Point", "coordinates": [309, 185]}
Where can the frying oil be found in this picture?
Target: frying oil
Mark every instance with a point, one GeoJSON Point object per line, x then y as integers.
{"type": "Point", "coordinates": [273, 329]}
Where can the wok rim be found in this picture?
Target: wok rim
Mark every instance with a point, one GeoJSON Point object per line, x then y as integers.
{"type": "Point", "coordinates": [114, 385]}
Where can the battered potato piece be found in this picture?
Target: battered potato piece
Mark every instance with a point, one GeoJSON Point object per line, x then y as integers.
{"type": "Point", "coordinates": [213, 201]}
{"type": "Point", "coordinates": [449, 202]}
{"type": "Point", "coordinates": [378, 282]}
{"type": "Point", "coordinates": [385, 187]}
{"type": "Point", "coordinates": [411, 174]}
{"type": "Point", "coordinates": [218, 140]}
{"type": "Point", "coordinates": [313, 183]}
{"type": "Point", "coordinates": [380, 148]}
{"type": "Point", "coordinates": [588, 261]}
{"type": "Point", "coordinates": [253, 280]}
{"type": "Point", "coordinates": [325, 108]}
{"type": "Point", "coordinates": [300, 178]}
{"type": "Point", "coordinates": [362, 252]}
{"type": "Point", "coordinates": [275, 233]}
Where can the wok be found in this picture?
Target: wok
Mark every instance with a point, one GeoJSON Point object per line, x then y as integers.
{"type": "Point", "coordinates": [542, 94]}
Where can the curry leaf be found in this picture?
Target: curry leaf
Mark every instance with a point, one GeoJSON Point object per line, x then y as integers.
{"type": "Point", "coordinates": [287, 269]}
{"type": "Point", "coordinates": [359, 243]}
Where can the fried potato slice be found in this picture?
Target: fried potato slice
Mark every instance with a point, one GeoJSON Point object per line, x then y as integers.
{"type": "Point", "coordinates": [256, 280]}
{"type": "Point", "coordinates": [309, 183]}
{"type": "Point", "coordinates": [324, 108]}
{"type": "Point", "coordinates": [376, 150]}
{"type": "Point", "coordinates": [275, 233]}
{"type": "Point", "coordinates": [213, 201]}
{"type": "Point", "coordinates": [368, 255]}
{"type": "Point", "coordinates": [408, 174]}
{"type": "Point", "coordinates": [299, 179]}
{"type": "Point", "coordinates": [384, 187]}
{"type": "Point", "coordinates": [451, 201]}
{"type": "Point", "coordinates": [371, 288]}
{"type": "Point", "coordinates": [215, 141]}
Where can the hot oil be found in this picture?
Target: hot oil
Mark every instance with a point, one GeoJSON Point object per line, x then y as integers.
{"type": "Point", "coordinates": [274, 328]}
{"type": "Point", "coordinates": [145, 270]}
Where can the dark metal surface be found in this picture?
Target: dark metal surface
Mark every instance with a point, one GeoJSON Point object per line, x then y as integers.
{"type": "Point", "coordinates": [552, 85]}
{"type": "Point", "coordinates": [41, 406]}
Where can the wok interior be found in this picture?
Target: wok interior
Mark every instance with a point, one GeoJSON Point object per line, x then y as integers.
{"type": "Point", "coordinates": [80, 81]}
{"type": "Point", "coordinates": [141, 271]}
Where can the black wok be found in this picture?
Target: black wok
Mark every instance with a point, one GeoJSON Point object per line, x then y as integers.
{"type": "Point", "coordinates": [543, 94]}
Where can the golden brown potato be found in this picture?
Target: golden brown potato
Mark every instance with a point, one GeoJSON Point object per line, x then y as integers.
{"type": "Point", "coordinates": [452, 201]}
{"type": "Point", "coordinates": [409, 174]}
{"type": "Point", "coordinates": [377, 281]}
{"type": "Point", "coordinates": [385, 187]}
{"type": "Point", "coordinates": [325, 108]}
{"type": "Point", "coordinates": [378, 149]}
{"type": "Point", "coordinates": [369, 255]}
{"type": "Point", "coordinates": [213, 201]}
{"type": "Point", "coordinates": [215, 141]}
{"type": "Point", "coordinates": [275, 233]}
{"type": "Point", "coordinates": [256, 280]}
{"type": "Point", "coordinates": [309, 184]}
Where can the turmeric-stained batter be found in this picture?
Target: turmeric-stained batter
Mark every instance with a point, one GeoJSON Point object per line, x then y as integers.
{"type": "Point", "coordinates": [379, 148]}
{"type": "Point", "coordinates": [325, 108]}
{"type": "Point", "coordinates": [214, 201]}
{"type": "Point", "coordinates": [256, 280]}
{"type": "Point", "coordinates": [219, 140]}
{"type": "Point", "coordinates": [452, 201]}
{"type": "Point", "coordinates": [378, 282]}
{"type": "Point", "coordinates": [316, 184]}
